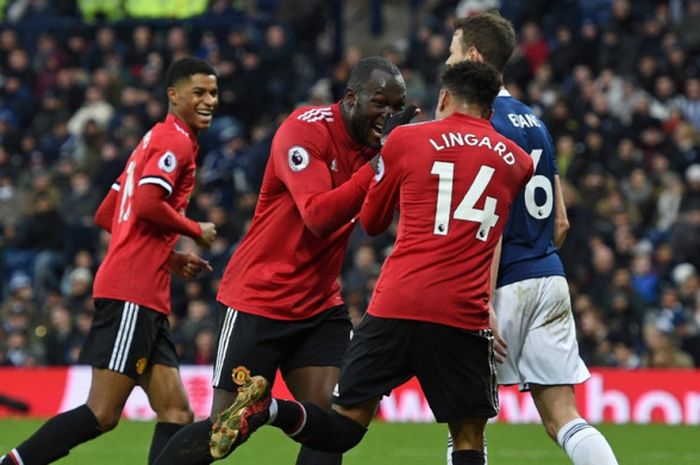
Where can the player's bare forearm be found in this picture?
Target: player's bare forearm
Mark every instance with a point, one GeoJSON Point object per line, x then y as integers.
{"type": "Point", "coordinates": [561, 220]}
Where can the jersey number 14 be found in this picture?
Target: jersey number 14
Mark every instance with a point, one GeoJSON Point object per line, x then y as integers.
{"type": "Point", "coordinates": [465, 211]}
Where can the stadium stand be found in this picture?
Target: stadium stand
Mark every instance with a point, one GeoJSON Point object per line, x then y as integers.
{"type": "Point", "coordinates": [80, 81]}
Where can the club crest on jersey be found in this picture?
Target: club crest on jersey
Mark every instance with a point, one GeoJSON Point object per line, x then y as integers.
{"type": "Point", "coordinates": [379, 175]}
{"type": "Point", "coordinates": [240, 375]}
{"type": "Point", "coordinates": [167, 162]}
{"type": "Point", "coordinates": [298, 158]}
{"type": "Point", "coordinates": [141, 365]}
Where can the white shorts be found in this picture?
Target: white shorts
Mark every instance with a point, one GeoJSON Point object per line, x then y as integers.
{"type": "Point", "coordinates": [535, 319]}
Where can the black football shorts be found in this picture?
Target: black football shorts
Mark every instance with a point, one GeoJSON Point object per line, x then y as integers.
{"type": "Point", "coordinates": [128, 338]}
{"type": "Point", "coordinates": [251, 345]}
{"type": "Point", "coordinates": [455, 367]}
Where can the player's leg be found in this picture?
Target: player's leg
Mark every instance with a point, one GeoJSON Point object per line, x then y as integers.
{"type": "Point", "coordinates": [550, 365]}
{"type": "Point", "coordinates": [314, 384]}
{"type": "Point", "coordinates": [468, 440]}
{"type": "Point", "coordinates": [456, 369]}
{"type": "Point", "coordinates": [514, 309]}
{"type": "Point", "coordinates": [239, 355]}
{"type": "Point", "coordinates": [311, 370]}
{"type": "Point", "coordinates": [162, 383]}
{"type": "Point", "coordinates": [101, 412]}
{"type": "Point", "coordinates": [376, 361]}
{"type": "Point", "coordinates": [118, 338]}
{"type": "Point", "coordinates": [168, 399]}
{"type": "Point", "coordinates": [450, 448]}
{"type": "Point", "coordinates": [583, 443]}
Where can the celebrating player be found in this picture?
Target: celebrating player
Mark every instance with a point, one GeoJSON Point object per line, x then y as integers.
{"type": "Point", "coordinates": [282, 303]}
{"type": "Point", "coordinates": [430, 305]}
{"type": "Point", "coordinates": [532, 296]}
{"type": "Point", "coordinates": [129, 342]}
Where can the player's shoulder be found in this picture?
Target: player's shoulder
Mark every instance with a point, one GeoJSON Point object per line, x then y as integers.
{"type": "Point", "coordinates": [170, 135]}
{"type": "Point", "coordinates": [309, 121]}
{"type": "Point", "coordinates": [407, 133]}
{"type": "Point", "coordinates": [511, 111]}
{"type": "Point", "coordinates": [313, 118]}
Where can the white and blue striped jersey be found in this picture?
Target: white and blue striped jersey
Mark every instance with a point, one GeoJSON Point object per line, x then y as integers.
{"type": "Point", "coordinates": [528, 250]}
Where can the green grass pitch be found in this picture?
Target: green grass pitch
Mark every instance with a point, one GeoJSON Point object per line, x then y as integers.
{"type": "Point", "coordinates": [395, 444]}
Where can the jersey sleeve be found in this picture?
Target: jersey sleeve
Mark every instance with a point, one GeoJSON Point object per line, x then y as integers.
{"type": "Point", "coordinates": [165, 161]}
{"type": "Point", "coordinates": [105, 211]}
{"type": "Point", "coordinates": [299, 157]}
{"type": "Point", "coordinates": [380, 203]}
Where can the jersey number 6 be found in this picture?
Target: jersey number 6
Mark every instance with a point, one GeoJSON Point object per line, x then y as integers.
{"type": "Point", "coordinates": [542, 182]}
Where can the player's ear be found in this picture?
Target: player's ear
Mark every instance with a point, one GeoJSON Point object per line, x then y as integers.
{"type": "Point", "coordinates": [473, 54]}
{"type": "Point", "coordinates": [173, 95]}
{"type": "Point", "coordinates": [443, 99]}
{"type": "Point", "coordinates": [350, 97]}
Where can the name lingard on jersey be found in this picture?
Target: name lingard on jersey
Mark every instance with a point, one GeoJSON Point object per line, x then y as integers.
{"type": "Point", "coordinates": [455, 139]}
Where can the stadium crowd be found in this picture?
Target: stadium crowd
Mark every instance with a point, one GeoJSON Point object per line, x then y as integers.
{"type": "Point", "coordinates": [618, 85]}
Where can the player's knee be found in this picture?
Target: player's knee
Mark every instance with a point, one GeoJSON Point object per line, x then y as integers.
{"type": "Point", "coordinates": [181, 415]}
{"type": "Point", "coordinates": [108, 420]}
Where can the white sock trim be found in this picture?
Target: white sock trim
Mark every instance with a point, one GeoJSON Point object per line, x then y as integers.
{"type": "Point", "coordinates": [273, 411]}
{"type": "Point", "coordinates": [585, 445]}
{"type": "Point", "coordinates": [301, 424]}
{"type": "Point", "coordinates": [17, 457]}
{"type": "Point", "coordinates": [570, 429]}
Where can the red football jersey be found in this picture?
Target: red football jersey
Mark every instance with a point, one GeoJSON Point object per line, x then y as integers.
{"type": "Point", "coordinates": [454, 180]}
{"type": "Point", "coordinates": [135, 268]}
{"type": "Point", "coordinates": [287, 265]}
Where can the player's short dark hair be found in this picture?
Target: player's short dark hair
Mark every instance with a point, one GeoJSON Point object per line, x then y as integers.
{"type": "Point", "coordinates": [491, 34]}
{"type": "Point", "coordinates": [362, 71]}
{"type": "Point", "coordinates": [184, 68]}
{"type": "Point", "coordinates": [472, 82]}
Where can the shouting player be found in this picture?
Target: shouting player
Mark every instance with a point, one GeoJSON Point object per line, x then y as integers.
{"type": "Point", "coordinates": [454, 180]}
{"type": "Point", "coordinates": [282, 304]}
{"type": "Point", "coordinates": [532, 297]}
{"type": "Point", "coordinates": [129, 342]}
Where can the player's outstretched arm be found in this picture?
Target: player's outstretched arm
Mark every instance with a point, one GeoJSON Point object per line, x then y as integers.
{"type": "Point", "coordinates": [561, 220]}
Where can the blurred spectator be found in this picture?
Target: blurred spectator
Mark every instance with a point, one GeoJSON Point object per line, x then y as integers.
{"type": "Point", "coordinates": [63, 340]}
{"type": "Point", "coordinates": [44, 234]}
{"type": "Point", "coordinates": [203, 348]}
{"type": "Point", "coordinates": [662, 350]}
{"type": "Point", "coordinates": [19, 353]}
{"type": "Point", "coordinates": [95, 109]}
{"type": "Point", "coordinates": [533, 46]}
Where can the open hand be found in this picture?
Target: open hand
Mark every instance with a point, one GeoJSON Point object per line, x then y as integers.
{"type": "Point", "coordinates": [187, 265]}
{"type": "Point", "coordinates": [397, 119]}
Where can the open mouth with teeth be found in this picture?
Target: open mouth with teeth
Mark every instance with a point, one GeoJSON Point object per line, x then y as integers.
{"type": "Point", "coordinates": [377, 130]}
{"type": "Point", "coordinates": [205, 114]}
